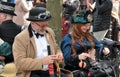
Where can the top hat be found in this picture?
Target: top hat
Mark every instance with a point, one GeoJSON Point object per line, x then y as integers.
{"type": "Point", "coordinates": [9, 70]}
{"type": "Point", "coordinates": [39, 14]}
{"type": "Point", "coordinates": [8, 8]}
{"type": "Point", "coordinates": [83, 16]}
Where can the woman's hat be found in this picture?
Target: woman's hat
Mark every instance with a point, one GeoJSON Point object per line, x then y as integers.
{"type": "Point", "coordinates": [9, 70]}
{"type": "Point", "coordinates": [39, 14]}
{"type": "Point", "coordinates": [82, 16]}
{"type": "Point", "coordinates": [7, 7]}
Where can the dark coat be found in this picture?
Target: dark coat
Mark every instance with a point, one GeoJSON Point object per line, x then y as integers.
{"type": "Point", "coordinates": [102, 15]}
{"type": "Point", "coordinates": [8, 31]}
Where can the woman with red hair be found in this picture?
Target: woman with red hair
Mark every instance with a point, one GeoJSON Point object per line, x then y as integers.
{"type": "Point", "coordinates": [80, 46]}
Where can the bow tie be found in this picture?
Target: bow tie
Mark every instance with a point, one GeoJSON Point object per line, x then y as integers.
{"type": "Point", "coordinates": [38, 34]}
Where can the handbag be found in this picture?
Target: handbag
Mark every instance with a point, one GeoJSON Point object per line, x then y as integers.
{"type": "Point", "coordinates": [65, 73]}
{"type": "Point", "coordinates": [79, 73]}
{"type": "Point", "coordinates": [61, 72]}
{"type": "Point", "coordinates": [102, 68]}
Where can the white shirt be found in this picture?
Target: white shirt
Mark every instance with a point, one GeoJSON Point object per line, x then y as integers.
{"type": "Point", "coordinates": [41, 44]}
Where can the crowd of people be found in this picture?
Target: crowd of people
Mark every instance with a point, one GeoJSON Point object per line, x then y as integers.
{"type": "Point", "coordinates": [29, 44]}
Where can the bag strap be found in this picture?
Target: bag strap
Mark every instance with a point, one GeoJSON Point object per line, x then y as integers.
{"type": "Point", "coordinates": [108, 73]}
{"type": "Point", "coordinates": [113, 71]}
{"type": "Point", "coordinates": [56, 63]}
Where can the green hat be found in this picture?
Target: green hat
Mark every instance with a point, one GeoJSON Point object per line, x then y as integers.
{"type": "Point", "coordinates": [82, 16]}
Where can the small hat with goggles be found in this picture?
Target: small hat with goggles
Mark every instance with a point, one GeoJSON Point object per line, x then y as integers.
{"type": "Point", "coordinates": [39, 14]}
{"type": "Point", "coordinates": [7, 7]}
{"type": "Point", "coordinates": [82, 16]}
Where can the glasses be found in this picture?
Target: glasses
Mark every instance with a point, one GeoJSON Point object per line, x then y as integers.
{"type": "Point", "coordinates": [37, 24]}
{"type": "Point", "coordinates": [41, 24]}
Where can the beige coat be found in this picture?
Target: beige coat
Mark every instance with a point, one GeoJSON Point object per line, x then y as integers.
{"type": "Point", "coordinates": [24, 51]}
{"type": "Point", "coordinates": [22, 11]}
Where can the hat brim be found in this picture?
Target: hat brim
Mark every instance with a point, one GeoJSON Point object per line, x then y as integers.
{"type": "Point", "coordinates": [8, 12]}
{"type": "Point", "coordinates": [80, 22]}
{"type": "Point", "coordinates": [37, 20]}
{"type": "Point", "coordinates": [9, 70]}
{"type": "Point", "coordinates": [8, 75]}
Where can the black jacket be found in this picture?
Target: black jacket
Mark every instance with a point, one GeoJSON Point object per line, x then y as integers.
{"type": "Point", "coordinates": [8, 31]}
{"type": "Point", "coordinates": [102, 15]}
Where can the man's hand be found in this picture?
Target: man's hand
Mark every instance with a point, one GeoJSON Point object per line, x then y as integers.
{"type": "Point", "coordinates": [49, 59]}
{"type": "Point", "coordinates": [59, 57]}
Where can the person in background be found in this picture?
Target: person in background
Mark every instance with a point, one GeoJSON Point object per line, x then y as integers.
{"type": "Point", "coordinates": [69, 7]}
{"type": "Point", "coordinates": [40, 2]}
{"type": "Point", "coordinates": [115, 10]}
{"type": "Point", "coordinates": [91, 5]}
{"type": "Point", "coordinates": [80, 46]}
{"type": "Point", "coordinates": [11, 1]}
{"type": "Point", "coordinates": [115, 21]}
{"type": "Point", "coordinates": [102, 18]}
{"type": "Point", "coordinates": [8, 29]}
{"type": "Point", "coordinates": [32, 47]}
{"type": "Point", "coordinates": [102, 11]}
{"type": "Point", "coordinates": [22, 9]}
{"type": "Point", "coordinates": [4, 0]}
{"type": "Point", "coordinates": [5, 49]}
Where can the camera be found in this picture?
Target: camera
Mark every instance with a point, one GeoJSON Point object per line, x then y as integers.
{"type": "Point", "coordinates": [70, 7]}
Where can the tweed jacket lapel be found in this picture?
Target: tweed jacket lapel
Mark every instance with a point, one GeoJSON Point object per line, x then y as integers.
{"type": "Point", "coordinates": [32, 39]}
{"type": "Point", "coordinates": [34, 45]}
{"type": "Point", "coordinates": [49, 39]}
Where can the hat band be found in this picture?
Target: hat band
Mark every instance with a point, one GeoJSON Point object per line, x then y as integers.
{"type": "Point", "coordinates": [41, 16]}
{"type": "Point", "coordinates": [79, 20]}
{"type": "Point", "coordinates": [6, 7]}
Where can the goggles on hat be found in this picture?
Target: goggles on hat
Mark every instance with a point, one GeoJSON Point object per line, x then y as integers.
{"type": "Point", "coordinates": [44, 15]}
